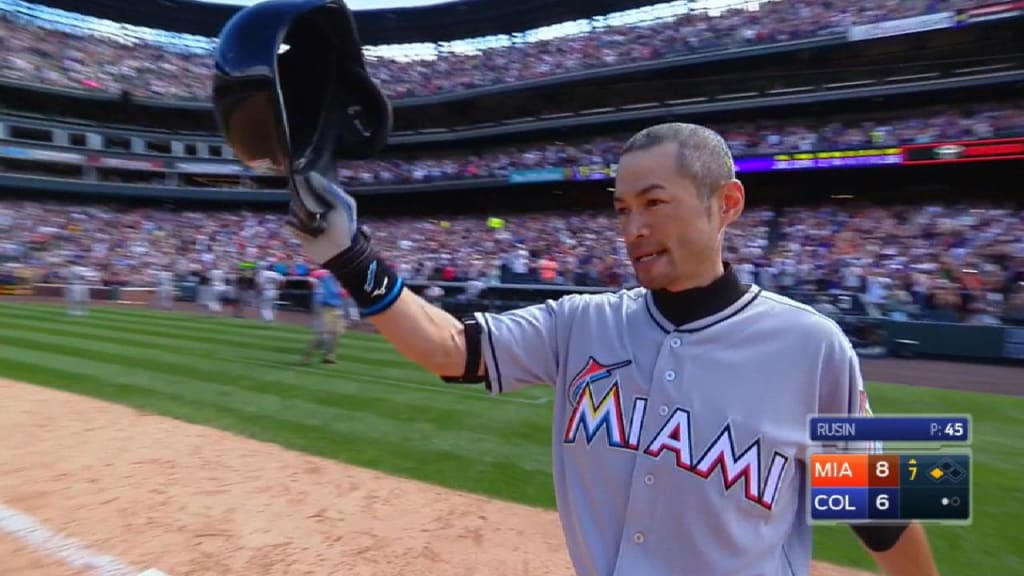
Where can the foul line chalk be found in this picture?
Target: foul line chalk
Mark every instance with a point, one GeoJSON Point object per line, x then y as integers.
{"type": "Point", "coordinates": [75, 554]}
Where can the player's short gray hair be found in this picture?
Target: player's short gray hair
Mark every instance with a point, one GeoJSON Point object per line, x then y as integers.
{"type": "Point", "coordinates": [703, 155]}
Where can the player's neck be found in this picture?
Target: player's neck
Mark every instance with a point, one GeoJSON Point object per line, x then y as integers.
{"type": "Point", "coordinates": [686, 306]}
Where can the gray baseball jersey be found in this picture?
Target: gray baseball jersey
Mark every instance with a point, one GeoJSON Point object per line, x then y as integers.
{"type": "Point", "coordinates": [679, 450]}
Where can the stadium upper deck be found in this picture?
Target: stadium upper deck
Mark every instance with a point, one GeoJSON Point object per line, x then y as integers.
{"type": "Point", "coordinates": [51, 48]}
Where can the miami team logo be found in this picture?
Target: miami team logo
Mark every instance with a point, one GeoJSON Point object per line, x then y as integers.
{"type": "Point", "coordinates": [592, 372]}
{"type": "Point", "coordinates": [593, 412]}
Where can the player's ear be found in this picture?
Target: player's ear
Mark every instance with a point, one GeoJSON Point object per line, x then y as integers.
{"type": "Point", "coordinates": [733, 200]}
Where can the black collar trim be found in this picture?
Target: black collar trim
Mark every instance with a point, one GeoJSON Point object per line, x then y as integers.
{"type": "Point", "coordinates": [699, 308]}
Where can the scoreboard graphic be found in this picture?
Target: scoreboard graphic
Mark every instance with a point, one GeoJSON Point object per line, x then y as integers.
{"type": "Point", "coordinates": [853, 478]}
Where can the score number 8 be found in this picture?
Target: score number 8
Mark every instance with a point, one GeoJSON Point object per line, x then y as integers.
{"type": "Point", "coordinates": [882, 469]}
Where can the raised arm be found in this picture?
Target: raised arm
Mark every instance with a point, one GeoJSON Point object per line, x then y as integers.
{"type": "Point", "coordinates": [425, 334]}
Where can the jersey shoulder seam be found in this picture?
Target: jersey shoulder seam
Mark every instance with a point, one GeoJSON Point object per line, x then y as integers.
{"type": "Point", "coordinates": [779, 299]}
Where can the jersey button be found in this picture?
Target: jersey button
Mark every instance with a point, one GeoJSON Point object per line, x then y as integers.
{"type": "Point", "coordinates": [675, 342]}
{"type": "Point", "coordinates": [649, 479]}
{"type": "Point", "coordinates": [670, 375]}
{"type": "Point", "coordinates": [663, 410]}
{"type": "Point", "coordinates": [638, 537]}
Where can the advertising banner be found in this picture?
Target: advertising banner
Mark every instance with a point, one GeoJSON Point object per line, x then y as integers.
{"type": "Point", "coordinates": [823, 159]}
{"type": "Point", "coordinates": [594, 172]}
{"type": "Point", "coordinates": [537, 175]}
{"type": "Point", "coordinates": [990, 12]}
{"type": "Point", "coordinates": [12, 152]}
{"type": "Point", "coordinates": [126, 163]}
{"type": "Point", "coordinates": [789, 161]}
{"type": "Point", "coordinates": [965, 151]}
{"type": "Point", "coordinates": [902, 26]}
{"type": "Point", "coordinates": [42, 155]}
{"type": "Point", "coordinates": [210, 167]}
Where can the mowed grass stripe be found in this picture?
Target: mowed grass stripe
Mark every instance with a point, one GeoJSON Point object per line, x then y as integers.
{"type": "Point", "coordinates": [450, 424]}
{"type": "Point", "coordinates": [394, 428]}
{"type": "Point", "coordinates": [197, 360]}
{"type": "Point", "coordinates": [369, 350]}
{"type": "Point", "coordinates": [356, 387]}
{"type": "Point", "coordinates": [504, 478]}
{"type": "Point", "coordinates": [255, 355]}
{"type": "Point", "coordinates": [201, 338]}
{"type": "Point", "coordinates": [190, 321]}
{"type": "Point", "coordinates": [202, 332]}
{"type": "Point", "coordinates": [155, 318]}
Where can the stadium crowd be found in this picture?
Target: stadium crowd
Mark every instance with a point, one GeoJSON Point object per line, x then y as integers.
{"type": "Point", "coordinates": [36, 53]}
{"type": "Point", "coordinates": [945, 263]}
{"type": "Point", "coordinates": [940, 123]}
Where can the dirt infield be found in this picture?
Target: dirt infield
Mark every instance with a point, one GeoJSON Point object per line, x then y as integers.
{"type": "Point", "coordinates": [106, 478]}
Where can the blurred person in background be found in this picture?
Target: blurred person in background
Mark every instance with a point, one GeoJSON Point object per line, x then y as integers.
{"type": "Point", "coordinates": [203, 290]}
{"type": "Point", "coordinates": [245, 287]}
{"type": "Point", "coordinates": [165, 289]}
{"type": "Point", "coordinates": [327, 305]}
{"type": "Point", "coordinates": [76, 290]}
{"type": "Point", "coordinates": [218, 287]}
{"type": "Point", "coordinates": [269, 285]}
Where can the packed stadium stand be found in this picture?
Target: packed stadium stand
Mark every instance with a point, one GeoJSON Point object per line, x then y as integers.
{"type": "Point", "coordinates": [498, 172]}
{"type": "Point", "coordinates": [887, 254]}
{"type": "Point", "coordinates": [42, 50]}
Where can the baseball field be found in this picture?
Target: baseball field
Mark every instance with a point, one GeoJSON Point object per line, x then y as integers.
{"type": "Point", "coordinates": [194, 444]}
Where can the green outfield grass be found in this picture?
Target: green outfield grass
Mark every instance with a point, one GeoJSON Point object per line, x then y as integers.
{"type": "Point", "coordinates": [377, 410]}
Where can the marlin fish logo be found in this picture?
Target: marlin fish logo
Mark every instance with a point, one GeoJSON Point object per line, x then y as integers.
{"type": "Point", "coordinates": [593, 371]}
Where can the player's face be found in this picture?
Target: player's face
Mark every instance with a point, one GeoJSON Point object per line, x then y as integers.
{"type": "Point", "coordinates": [672, 233]}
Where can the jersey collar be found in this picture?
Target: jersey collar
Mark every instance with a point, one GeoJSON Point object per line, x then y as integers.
{"type": "Point", "coordinates": [699, 308]}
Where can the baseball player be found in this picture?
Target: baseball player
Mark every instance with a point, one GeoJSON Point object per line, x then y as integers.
{"type": "Point", "coordinates": [76, 291]}
{"type": "Point", "coordinates": [203, 288]}
{"type": "Point", "coordinates": [218, 287]}
{"type": "Point", "coordinates": [679, 437]}
{"type": "Point", "coordinates": [269, 284]}
{"type": "Point", "coordinates": [165, 289]}
{"type": "Point", "coordinates": [328, 317]}
{"type": "Point", "coordinates": [244, 287]}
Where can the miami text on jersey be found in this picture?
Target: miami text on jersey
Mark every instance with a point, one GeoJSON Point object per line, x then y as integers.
{"type": "Point", "coordinates": [675, 436]}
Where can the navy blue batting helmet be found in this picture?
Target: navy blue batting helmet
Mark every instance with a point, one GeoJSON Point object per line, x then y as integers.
{"type": "Point", "coordinates": [290, 88]}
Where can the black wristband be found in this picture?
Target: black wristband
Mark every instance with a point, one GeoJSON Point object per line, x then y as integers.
{"type": "Point", "coordinates": [371, 282]}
